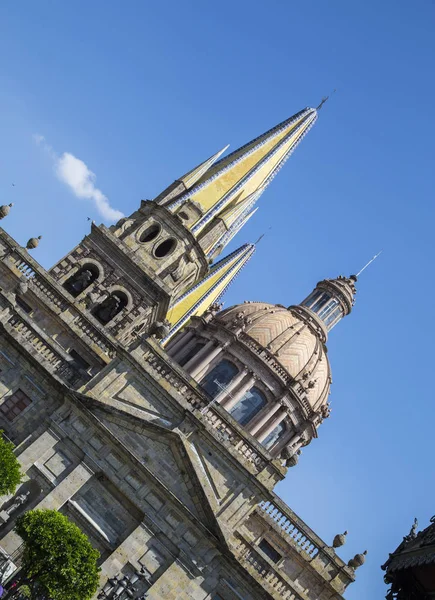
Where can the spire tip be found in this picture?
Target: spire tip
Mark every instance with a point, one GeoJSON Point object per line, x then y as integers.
{"type": "Point", "coordinates": [369, 263]}
{"type": "Point", "coordinates": [325, 99]}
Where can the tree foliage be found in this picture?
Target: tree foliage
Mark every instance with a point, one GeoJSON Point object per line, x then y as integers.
{"type": "Point", "coordinates": [10, 471]}
{"type": "Point", "coordinates": [57, 557]}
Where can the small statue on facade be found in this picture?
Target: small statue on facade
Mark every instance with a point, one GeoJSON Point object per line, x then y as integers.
{"type": "Point", "coordinates": [19, 501]}
{"type": "Point", "coordinates": [81, 281]}
{"type": "Point", "coordinates": [413, 532]}
{"type": "Point", "coordinates": [110, 307]}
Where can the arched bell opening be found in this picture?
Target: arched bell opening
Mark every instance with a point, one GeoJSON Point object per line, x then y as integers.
{"type": "Point", "coordinates": [82, 279]}
{"type": "Point", "coordinates": [110, 307]}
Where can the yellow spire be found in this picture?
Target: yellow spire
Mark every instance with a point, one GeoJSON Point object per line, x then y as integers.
{"type": "Point", "coordinates": [226, 238]}
{"type": "Point", "coordinates": [208, 291]}
{"type": "Point", "coordinates": [192, 176]}
{"type": "Point", "coordinates": [244, 171]}
{"type": "Point", "coordinates": [233, 217]}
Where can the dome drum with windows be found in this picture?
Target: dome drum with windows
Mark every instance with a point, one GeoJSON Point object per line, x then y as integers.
{"type": "Point", "coordinates": [267, 365]}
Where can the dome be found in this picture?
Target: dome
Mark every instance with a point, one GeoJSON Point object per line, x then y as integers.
{"type": "Point", "coordinates": [285, 335]}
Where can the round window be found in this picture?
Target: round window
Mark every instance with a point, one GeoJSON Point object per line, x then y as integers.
{"type": "Point", "coordinates": [165, 248]}
{"type": "Point", "coordinates": [150, 234]}
{"type": "Point", "coordinates": [183, 215]}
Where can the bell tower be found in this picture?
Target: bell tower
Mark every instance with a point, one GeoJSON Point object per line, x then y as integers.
{"type": "Point", "coordinates": [127, 275]}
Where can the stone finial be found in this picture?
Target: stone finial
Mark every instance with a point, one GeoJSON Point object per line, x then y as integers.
{"type": "Point", "coordinates": [358, 560]}
{"type": "Point", "coordinates": [5, 209]}
{"type": "Point", "coordinates": [339, 540]}
{"type": "Point", "coordinates": [33, 242]}
{"type": "Point", "coordinates": [161, 329]}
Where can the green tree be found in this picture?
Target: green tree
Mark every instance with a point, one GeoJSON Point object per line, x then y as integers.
{"type": "Point", "coordinates": [10, 471]}
{"type": "Point", "coordinates": [58, 558]}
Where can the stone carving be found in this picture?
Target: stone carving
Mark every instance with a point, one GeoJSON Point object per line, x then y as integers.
{"type": "Point", "coordinates": [122, 225]}
{"type": "Point", "coordinates": [19, 501]}
{"type": "Point", "coordinates": [291, 458]}
{"type": "Point", "coordinates": [339, 540]}
{"type": "Point", "coordinates": [110, 307]}
{"type": "Point", "coordinates": [22, 287]}
{"type": "Point", "coordinates": [161, 329]}
{"type": "Point", "coordinates": [81, 281]}
{"type": "Point", "coordinates": [413, 532]}
{"type": "Point", "coordinates": [177, 272]}
{"type": "Point", "coordinates": [358, 560]}
{"type": "Point", "coordinates": [33, 242]}
{"type": "Point", "coordinates": [325, 411]}
{"type": "Point", "coordinates": [5, 210]}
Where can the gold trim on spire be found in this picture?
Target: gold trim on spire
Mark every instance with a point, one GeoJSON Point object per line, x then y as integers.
{"type": "Point", "coordinates": [195, 174]}
{"type": "Point", "coordinates": [244, 171]}
{"type": "Point", "coordinates": [202, 295]}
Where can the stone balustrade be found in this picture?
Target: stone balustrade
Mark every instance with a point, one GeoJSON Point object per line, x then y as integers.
{"type": "Point", "coordinates": [27, 335]}
{"type": "Point", "coordinates": [297, 532]}
{"type": "Point", "coordinates": [274, 582]}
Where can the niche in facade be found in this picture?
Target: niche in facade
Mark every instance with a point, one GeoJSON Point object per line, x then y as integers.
{"type": "Point", "coordinates": [82, 279]}
{"type": "Point", "coordinates": [110, 307]}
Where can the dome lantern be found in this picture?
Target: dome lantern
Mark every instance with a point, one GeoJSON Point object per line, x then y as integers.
{"type": "Point", "coordinates": [331, 300]}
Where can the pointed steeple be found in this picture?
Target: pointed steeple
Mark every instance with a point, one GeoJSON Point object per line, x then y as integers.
{"type": "Point", "coordinates": [207, 291]}
{"type": "Point", "coordinates": [195, 174]}
{"type": "Point", "coordinates": [232, 231]}
{"type": "Point", "coordinates": [243, 172]}
{"type": "Point", "coordinates": [228, 223]}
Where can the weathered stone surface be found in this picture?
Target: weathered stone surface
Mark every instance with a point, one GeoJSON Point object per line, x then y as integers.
{"type": "Point", "coordinates": [112, 432]}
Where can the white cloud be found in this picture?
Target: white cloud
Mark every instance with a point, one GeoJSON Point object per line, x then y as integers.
{"type": "Point", "coordinates": [80, 179]}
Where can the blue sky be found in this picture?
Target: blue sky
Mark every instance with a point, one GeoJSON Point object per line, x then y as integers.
{"type": "Point", "coordinates": [140, 92]}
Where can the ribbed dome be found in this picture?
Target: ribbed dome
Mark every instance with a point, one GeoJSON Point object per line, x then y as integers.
{"type": "Point", "coordinates": [290, 340]}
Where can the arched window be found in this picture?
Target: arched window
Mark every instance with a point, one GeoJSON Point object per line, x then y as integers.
{"type": "Point", "coordinates": [274, 435]}
{"type": "Point", "coordinates": [110, 307]}
{"type": "Point", "coordinates": [82, 279]}
{"type": "Point", "coordinates": [248, 406]}
{"type": "Point", "coordinates": [219, 377]}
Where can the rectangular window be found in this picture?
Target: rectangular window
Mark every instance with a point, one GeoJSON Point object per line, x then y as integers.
{"type": "Point", "coordinates": [14, 405]}
{"type": "Point", "coordinates": [269, 551]}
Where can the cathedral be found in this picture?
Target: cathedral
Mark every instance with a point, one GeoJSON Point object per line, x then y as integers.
{"type": "Point", "coordinates": [156, 421]}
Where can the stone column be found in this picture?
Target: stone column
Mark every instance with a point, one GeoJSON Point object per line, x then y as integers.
{"type": "Point", "coordinates": [268, 413]}
{"type": "Point", "coordinates": [234, 398]}
{"type": "Point", "coordinates": [279, 416]}
{"type": "Point", "coordinates": [211, 355]}
{"type": "Point", "coordinates": [190, 365]}
{"type": "Point", "coordinates": [184, 349]}
{"type": "Point", "coordinates": [200, 368]}
{"type": "Point", "coordinates": [222, 396]}
{"type": "Point", "coordinates": [176, 344]}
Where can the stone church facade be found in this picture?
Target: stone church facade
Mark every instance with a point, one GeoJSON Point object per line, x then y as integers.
{"type": "Point", "coordinates": [157, 422]}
